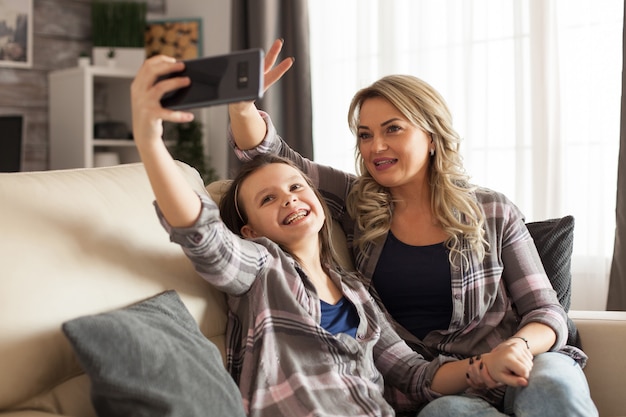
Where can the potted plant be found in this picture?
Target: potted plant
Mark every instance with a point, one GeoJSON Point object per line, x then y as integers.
{"type": "Point", "coordinates": [111, 57]}
{"type": "Point", "coordinates": [83, 59]}
{"type": "Point", "coordinates": [188, 147]}
{"type": "Point", "coordinates": [118, 26]}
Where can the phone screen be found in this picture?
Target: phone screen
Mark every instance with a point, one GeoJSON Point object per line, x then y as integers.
{"type": "Point", "coordinates": [221, 79]}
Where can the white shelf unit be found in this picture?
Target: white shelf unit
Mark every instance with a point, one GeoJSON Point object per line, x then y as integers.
{"type": "Point", "coordinates": [74, 110]}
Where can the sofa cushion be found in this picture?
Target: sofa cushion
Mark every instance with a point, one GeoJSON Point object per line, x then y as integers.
{"type": "Point", "coordinates": [79, 242]}
{"type": "Point", "coordinates": [150, 359]}
{"type": "Point", "coordinates": [554, 239]}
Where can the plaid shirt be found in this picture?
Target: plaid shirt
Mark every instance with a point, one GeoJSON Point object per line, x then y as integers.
{"type": "Point", "coordinates": [284, 362]}
{"type": "Point", "coordinates": [491, 299]}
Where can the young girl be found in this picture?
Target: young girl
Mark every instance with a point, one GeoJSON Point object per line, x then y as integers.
{"type": "Point", "coordinates": [304, 336]}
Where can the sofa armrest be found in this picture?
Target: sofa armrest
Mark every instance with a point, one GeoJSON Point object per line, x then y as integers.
{"type": "Point", "coordinates": [603, 338]}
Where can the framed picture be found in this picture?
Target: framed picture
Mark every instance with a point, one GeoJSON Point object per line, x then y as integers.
{"type": "Point", "coordinates": [16, 33]}
{"type": "Point", "coordinates": [178, 38]}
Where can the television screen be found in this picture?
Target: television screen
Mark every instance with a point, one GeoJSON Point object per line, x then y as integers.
{"type": "Point", "coordinates": [10, 143]}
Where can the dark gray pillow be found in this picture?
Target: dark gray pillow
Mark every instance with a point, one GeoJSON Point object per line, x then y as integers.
{"type": "Point", "coordinates": [150, 359]}
{"type": "Point", "coordinates": [554, 239]}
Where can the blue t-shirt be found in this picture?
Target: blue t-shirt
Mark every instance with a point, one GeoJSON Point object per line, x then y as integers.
{"type": "Point", "coordinates": [339, 318]}
{"type": "Point", "coordinates": [417, 294]}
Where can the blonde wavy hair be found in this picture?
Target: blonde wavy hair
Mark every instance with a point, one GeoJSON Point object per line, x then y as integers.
{"type": "Point", "coordinates": [452, 196]}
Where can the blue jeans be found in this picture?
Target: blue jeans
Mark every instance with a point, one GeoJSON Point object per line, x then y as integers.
{"type": "Point", "coordinates": [557, 387]}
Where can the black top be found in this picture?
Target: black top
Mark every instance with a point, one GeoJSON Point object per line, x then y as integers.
{"type": "Point", "coordinates": [424, 302]}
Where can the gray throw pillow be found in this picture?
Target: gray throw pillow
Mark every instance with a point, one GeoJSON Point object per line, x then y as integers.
{"type": "Point", "coordinates": [554, 239]}
{"type": "Point", "coordinates": [150, 359]}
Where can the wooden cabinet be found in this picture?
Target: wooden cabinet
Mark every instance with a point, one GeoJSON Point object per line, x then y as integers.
{"type": "Point", "coordinates": [80, 97]}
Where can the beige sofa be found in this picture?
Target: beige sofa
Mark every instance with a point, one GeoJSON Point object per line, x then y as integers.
{"type": "Point", "coordinates": [85, 241]}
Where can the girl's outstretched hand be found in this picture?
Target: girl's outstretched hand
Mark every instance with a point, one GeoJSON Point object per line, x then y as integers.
{"type": "Point", "coordinates": [177, 200]}
{"type": "Point", "coordinates": [146, 93]}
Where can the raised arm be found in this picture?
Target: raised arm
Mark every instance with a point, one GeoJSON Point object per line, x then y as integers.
{"type": "Point", "coordinates": [176, 198]}
{"type": "Point", "coordinates": [246, 124]}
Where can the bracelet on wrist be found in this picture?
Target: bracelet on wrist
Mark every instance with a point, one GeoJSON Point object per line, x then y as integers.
{"type": "Point", "coordinates": [522, 338]}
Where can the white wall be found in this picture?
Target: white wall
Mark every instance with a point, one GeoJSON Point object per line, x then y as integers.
{"type": "Point", "coordinates": [215, 16]}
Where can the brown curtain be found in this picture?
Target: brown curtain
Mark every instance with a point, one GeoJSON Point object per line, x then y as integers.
{"type": "Point", "coordinates": [617, 285]}
{"type": "Point", "coordinates": [256, 24]}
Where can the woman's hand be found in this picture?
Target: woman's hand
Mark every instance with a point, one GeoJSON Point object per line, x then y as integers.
{"type": "Point", "coordinates": [509, 363]}
{"type": "Point", "coordinates": [148, 114]}
{"type": "Point", "coordinates": [272, 73]}
{"type": "Point", "coordinates": [247, 125]}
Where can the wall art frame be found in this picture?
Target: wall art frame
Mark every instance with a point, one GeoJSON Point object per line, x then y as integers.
{"type": "Point", "coordinates": [178, 38]}
{"type": "Point", "coordinates": [16, 33]}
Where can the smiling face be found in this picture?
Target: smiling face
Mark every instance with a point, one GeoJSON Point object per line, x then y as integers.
{"type": "Point", "coordinates": [394, 150]}
{"type": "Point", "coordinates": [280, 205]}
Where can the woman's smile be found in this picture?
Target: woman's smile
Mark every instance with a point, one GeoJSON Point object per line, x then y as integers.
{"type": "Point", "coordinates": [382, 164]}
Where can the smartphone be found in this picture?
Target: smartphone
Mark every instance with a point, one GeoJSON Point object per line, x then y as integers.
{"type": "Point", "coordinates": [219, 79]}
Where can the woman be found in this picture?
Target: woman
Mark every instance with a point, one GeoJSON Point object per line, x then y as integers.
{"type": "Point", "coordinates": [453, 264]}
{"type": "Point", "coordinates": [302, 333]}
